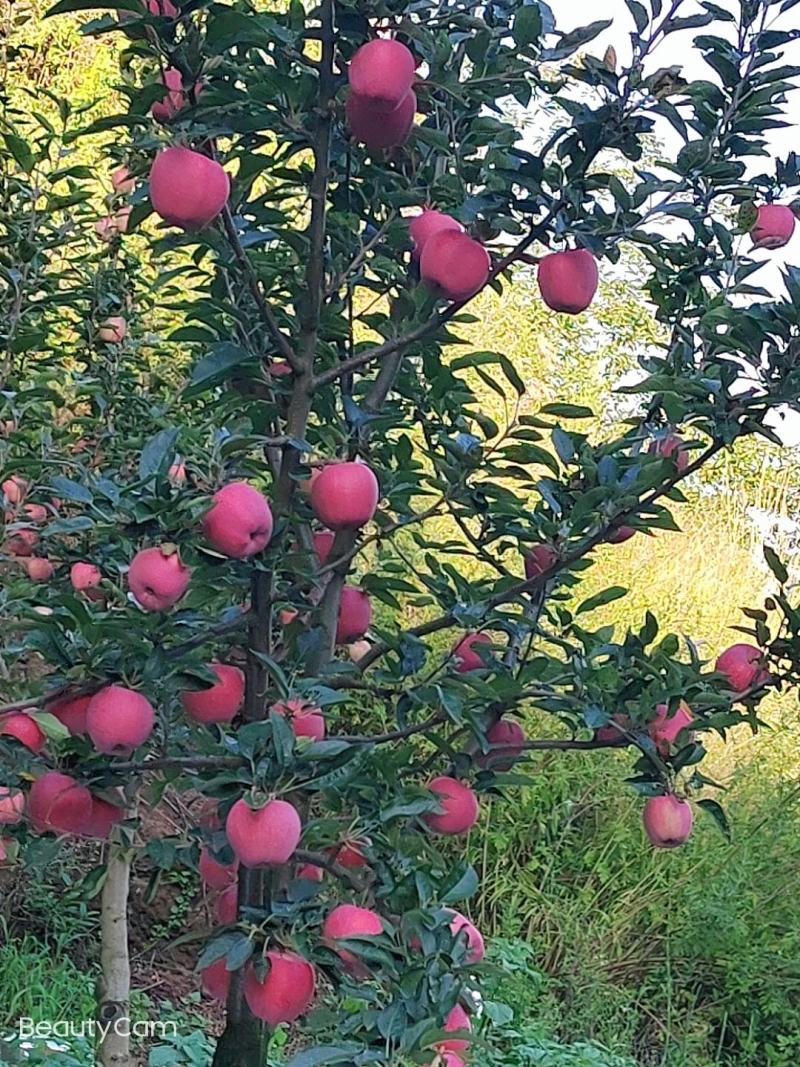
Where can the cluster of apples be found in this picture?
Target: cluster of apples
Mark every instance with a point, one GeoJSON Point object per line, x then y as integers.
{"type": "Point", "coordinates": [58, 803]}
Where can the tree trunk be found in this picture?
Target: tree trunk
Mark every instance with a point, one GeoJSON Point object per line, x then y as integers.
{"type": "Point", "coordinates": [115, 984]}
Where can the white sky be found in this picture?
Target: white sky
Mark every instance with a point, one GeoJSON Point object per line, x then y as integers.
{"type": "Point", "coordinates": [677, 49]}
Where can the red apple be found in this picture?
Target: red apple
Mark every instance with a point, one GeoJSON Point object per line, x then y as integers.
{"type": "Point", "coordinates": [58, 802]}
{"type": "Point", "coordinates": [454, 265]}
{"type": "Point", "coordinates": [216, 980]}
{"type": "Point", "coordinates": [12, 805]}
{"type": "Point", "coordinates": [263, 836]}
{"type": "Point", "coordinates": [38, 569]}
{"type": "Point", "coordinates": [25, 729]}
{"type": "Point", "coordinates": [465, 657]}
{"type": "Point", "coordinates": [346, 921]}
{"type": "Point", "coordinates": [103, 817]}
{"type": "Point", "coordinates": [286, 992]}
{"type": "Point", "coordinates": [113, 330]}
{"type": "Point", "coordinates": [457, 1021]}
{"type": "Point", "coordinates": [742, 666]}
{"type": "Point", "coordinates": [507, 739]}
{"type": "Point", "coordinates": [377, 130]}
{"type": "Point", "coordinates": [323, 543]}
{"type": "Point", "coordinates": [568, 280]}
{"type": "Point", "coordinates": [122, 217]}
{"type": "Point", "coordinates": [356, 650]}
{"type": "Point", "coordinates": [35, 512]}
{"type": "Point", "coordinates": [310, 872]}
{"type": "Point", "coordinates": [671, 446]}
{"type": "Point", "coordinates": [85, 576]}
{"type": "Point", "coordinates": [71, 711]}
{"type": "Point", "coordinates": [220, 702]}
{"type": "Point", "coordinates": [214, 874]}
{"type": "Point", "coordinates": [667, 821]}
{"type": "Point", "coordinates": [21, 542]}
{"type": "Point", "coordinates": [239, 522]}
{"type": "Point", "coordinates": [227, 909]}
{"type": "Point", "coordinates": [15, 489]}
{"type": "Point", "coordinates": [465, 931]}
{"type": "Point", "coordinates": [121, 181]}
{"type": "Point", "coordinates": [306, 720]}
{"type": "Point", "coordinates": [157, 577]}
{"type": "Point", "coordinates": [118, 720]}
{"type": "Point", "coordinates": [774, 226]}
{"type": "Point", "coordinates": [614, 730]}
{"type": "Point", "coordinates": [175, 98]}
{"type": "Point", "coordinates": [539, 559]}
{"type": "Point", "coordinates": [446, 1059]}
{"type": "Point", "coordinates": [276, 368]}
{"type": "Point", "coordinates": [351, 853]}
{"type": "Point", "coordinates": [177, 472]}
{"type": "Point", "coordinates": [355, 615]}
{"type": "Point", "coordinates": [425, 225]}
{"type": "Point", "coordinates": [381, 72]}
{"type": "Point", "coordinates": [458, 804]}
{"type": "Point", "coordinates": [621, 535]}
{"type": "Point", "coordinates": [187, 189]}
{"type": "Point", "coordinates": [345, 495]}
{"type": "Point", "coordinates": [664, 730]}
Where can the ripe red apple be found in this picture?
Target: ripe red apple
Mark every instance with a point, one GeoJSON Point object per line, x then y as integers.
{"type": "Point", "coordinates": [425, 225]}
{"type": "Point", "coordinates": [113, 330]}
{"type": "Point", "coordinates": [227, 909]}
{"type": "Point", "coordinates": [122, 217]}
{"type": "Point", "coordinates": [25, 729]}
{"type": "Point", "coordinates": [568, 280]}
{"type": "Point", "coordinates": [276, 368]}
{"type": "Point", "coordinates": [71, 711]}
{"type": "Point", "coordinates": [216, 980]}
{"type": "Point", "coordinates": [381, 72]}
{"type": "Point", "coordinates": [175, 98]}
{"type": "Point", "coordinates": [287, 991]}
{"type": "Point", "coordinates": [774, 226]}
{"type": "Point", "coordinates": [263, 836]}
{"type": "Point", "coordinates": [454, 265]}
{"type": "Point", "coordinates": [664, 730]}
{"type": "Point", "coordinates": [103, 817]}
{"type": "Point", "coordinates": [12, 805]}
{"type": "Point", "coordinates": [671, 446]}
{"type": "Point", "coordinates": [177, 472]}
{"type": "Point", "coordinates": [465, 657]}
{"type": "Point", "coordinates": [214, 874]}
{"type": "Point", "coordinates": [310, 872]}
{"type": "Point", "coordinates": [15, 489]}
{"type": "Point", "coordinates": [539, 559]}
{"type": "Point", "coordinates": [458, 803]}
{"type": "Point", "coordinates": [507, 739]}
{"type": "Point", "coordinates": [667, 821]}
{"type": "Point", "coordinates": [463, 929]}
{"type": "Point", "coordinates": [35, 512]}
{"type": "Point", "coordinates": [355, 615]}
{"type": "Point", "coordinates": [345, 921]}
{"type": "Point", "coordinates": [612, 731]}
{"type": "Point", "coordinates": [345, 495]}
{"type": "Point", "coordinates": [306, 720]}
{"type": "Point", "coordinates": [157, 577]}
{"type": "Point", "coordinates": [621, 535]}
{"type": "Point", "coordinates": [187, 189]}
{"type": "Point", "coordinates": [457, 1021]}
{"type": "Point", "coordinates": [21, 542]}
{"type": "Point", "coordinates": [377, 130]}
{"type": "Point", "coordinates": [446, 1059]}
{"type": "Point", "coordinates": [118, 720]}
{"type": "Point", "coordinates": [742, 666]}
{"type": "Point", "coordinates": [239, 522]}
{"type": "Point", "coordinates": [121, 181]}
{"type": "Point", "coordinates": [323, 543]}
{"type": "Point", "coordinates": [58, 802]}
{"type": "Point", "coordinates": [351, 853]}
{"type": "Point", "coordinates": [85, 576]}
{"type": "Point", "coordinates": [220, 702]}
{"type": "Point", "coordinates": [38, 569]}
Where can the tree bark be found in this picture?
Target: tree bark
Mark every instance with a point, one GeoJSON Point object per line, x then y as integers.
{"type": "Point", "coordinates": [115, 984]}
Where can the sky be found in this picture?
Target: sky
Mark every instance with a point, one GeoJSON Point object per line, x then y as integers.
{"type": "Point", "coordinates": [677, 49]}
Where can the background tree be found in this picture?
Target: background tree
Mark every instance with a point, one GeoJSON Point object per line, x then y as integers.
{"type": "Point", "coordinates": [320, 329]}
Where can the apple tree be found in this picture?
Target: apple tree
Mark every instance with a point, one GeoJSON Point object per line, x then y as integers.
{"type": "Point", "coordinates": [266, 540]}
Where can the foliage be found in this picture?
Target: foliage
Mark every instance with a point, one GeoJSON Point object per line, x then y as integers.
{"type": "Point", "coordinates": [310, 263]}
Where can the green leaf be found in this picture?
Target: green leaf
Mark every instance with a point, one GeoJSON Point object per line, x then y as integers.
{"type": "Point", "coordinates": [50, 725]}
{"type": "Point", "coordinates": [215, 367]}
{"type": "Point", "coordinates": [776, 565]}
{"type": "Point", "coordinates": [64, 6]}
{"type": "Point", "coordinates": [640, 16]}
{"type": "Point", "coordinates": [527, 25]}
{"type": "Point", "coordinates": [607, 596]}
{"type": "Point", "coordinates": [65, 487]}
{"type": "Point", "coordinates": [20, 150]}
{"type": "Point", "coordinates": [717, 813]}
{"type": "Point", "coordinates": [568, 411]}
{"type": "Point", "coordinates": [319, 1054]}
{"type": "Point", "coordinates": [571, 42]}
{"type": "Point", "coordinates": [158, 453]}
{"type": "Point", "coordinates": [464, 887]}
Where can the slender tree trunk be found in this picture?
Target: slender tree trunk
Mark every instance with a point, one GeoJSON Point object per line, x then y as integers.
{"type": "Point", "coordinates": [115, 983]}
